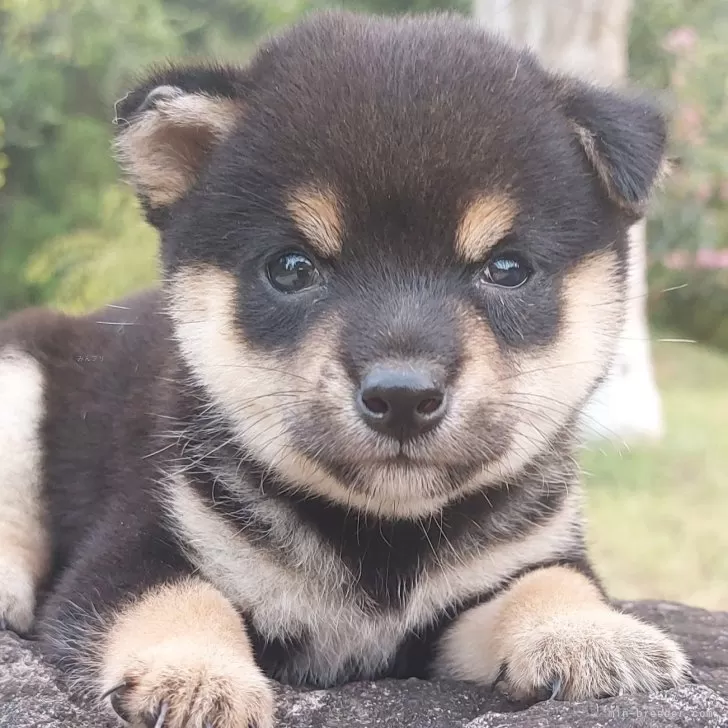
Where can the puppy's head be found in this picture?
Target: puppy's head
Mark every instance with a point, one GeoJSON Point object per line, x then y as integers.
{"type": "Point", "coordinates": [395, 249]}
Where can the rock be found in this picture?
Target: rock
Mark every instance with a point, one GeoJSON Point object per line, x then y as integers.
{"type": "Point", "coordinates": [33, 695]}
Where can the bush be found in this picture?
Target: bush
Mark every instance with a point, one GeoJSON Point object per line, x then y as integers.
{"type": "Point", "coordinates": [678, 48]}
{"type": "Point", "coordinates": [692, 301]}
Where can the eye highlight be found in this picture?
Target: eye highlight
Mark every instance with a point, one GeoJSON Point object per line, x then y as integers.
{"type": "Point", "coordinates": [506, 271]}
{"type": "Point", "coordinates": [292, 272]}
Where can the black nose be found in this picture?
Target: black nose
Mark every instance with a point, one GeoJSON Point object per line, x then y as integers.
{"type": "Point", "coordinates": [401, 403]}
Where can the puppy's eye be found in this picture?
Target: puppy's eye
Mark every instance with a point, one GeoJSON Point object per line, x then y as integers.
{"type": "Point", "coordinates": [292, 272]}
{"type": "Point", "coordinates": [508, 271]}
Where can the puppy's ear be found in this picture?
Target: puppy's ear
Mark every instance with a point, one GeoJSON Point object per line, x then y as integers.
{"type": "Point", "coordinates": [624, 138]}
{"type": "Point", "coordinates": [167, 127]}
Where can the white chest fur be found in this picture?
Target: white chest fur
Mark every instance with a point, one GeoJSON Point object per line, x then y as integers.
{"type": "Point", "coordinates": [306, 590]}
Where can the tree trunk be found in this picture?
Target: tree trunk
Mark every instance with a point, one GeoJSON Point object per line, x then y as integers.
{"type": "Point", "coordinates": [588, 38]}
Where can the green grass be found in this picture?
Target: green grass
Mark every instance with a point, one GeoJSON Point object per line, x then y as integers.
{"type": "Point", "coordinates": [658, 514]}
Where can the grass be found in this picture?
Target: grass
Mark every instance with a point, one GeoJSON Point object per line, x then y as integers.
{"type": "Point", "coordinates": [658, 514]}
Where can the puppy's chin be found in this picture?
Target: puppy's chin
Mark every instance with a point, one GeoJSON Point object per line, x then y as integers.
{"type": "Point", "coordinates": [400, 488]}
{"type": "Point", "coordinates": [384, 482]}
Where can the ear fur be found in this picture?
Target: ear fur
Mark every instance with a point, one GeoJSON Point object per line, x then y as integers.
{"type": "Point", "coordinates": [624, 137]}
{"type": "Point", "coordinates": [167, 127]}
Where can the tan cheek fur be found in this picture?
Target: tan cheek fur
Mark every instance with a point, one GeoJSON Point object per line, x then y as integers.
{"type": "Point", "coordinates": [535, 394]}
{"type": "Point", "coordinates": [257, 391]}
{"type": "Point", "coordinates": [553, 624]}
{"type": "Point", "coordinates": [24, 542]}
{"type": "Point", "coordinates": [549, 385]}
{"type": "Point", "coordinates": [185, 646]}
{"type": "Point", "coordinates": [250, 387]}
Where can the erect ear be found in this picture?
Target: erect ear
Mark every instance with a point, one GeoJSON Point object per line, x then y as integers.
{"type": "Point", "coordinates": [624, 137]}
{"type": "Point", "coordinates": [168, 126]}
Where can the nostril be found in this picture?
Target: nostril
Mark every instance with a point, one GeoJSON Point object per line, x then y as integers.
{"type": "Point", "coordinates": [429, 406]}
{"type": "Point", "coordinates": [401, 402]}
{"type": "Point", "coordinates": [375, 405]}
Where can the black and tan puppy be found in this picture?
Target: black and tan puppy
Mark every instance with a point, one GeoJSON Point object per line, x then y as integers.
{"type": "Point", "coordinates": [337, 444]}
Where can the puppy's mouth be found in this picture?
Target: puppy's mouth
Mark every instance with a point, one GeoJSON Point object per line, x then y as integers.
{"type": "Point", "coordinates": [457, 449]}
{"type": "Point", "coordinates": [404, 458]}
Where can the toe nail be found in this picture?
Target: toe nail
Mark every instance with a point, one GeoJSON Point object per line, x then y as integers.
{"type": "Point", "coordinates": [500, 676]}
{"type": "Point", "coordinates": [118, 708]}
{"type": "Point", "coordinates": [555, 688]}
{"type": "Point", "coordinates": [111, 690]}
{"type": "Point", "coordinates": [162, 715]}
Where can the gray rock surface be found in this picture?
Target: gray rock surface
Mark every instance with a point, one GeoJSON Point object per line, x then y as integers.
{"type": "Point", "coordinates": [32, 694]}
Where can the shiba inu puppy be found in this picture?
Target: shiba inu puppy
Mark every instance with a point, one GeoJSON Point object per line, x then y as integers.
{"type": "Point", "coordinates": [337, 443]}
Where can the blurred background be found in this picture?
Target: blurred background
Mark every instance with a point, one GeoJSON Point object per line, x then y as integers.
{"type": "Point", "coordinates": [71, 235]}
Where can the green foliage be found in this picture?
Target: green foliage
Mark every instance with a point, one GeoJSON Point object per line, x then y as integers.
{"type": "Point", "coordinates": [61, 64]}
{"type": "Point", "coordinates": [87, 267]}
{"type": "Point", "coordinates": [679, 47]}
{"type": "Point", "coordinates": [693, 301]}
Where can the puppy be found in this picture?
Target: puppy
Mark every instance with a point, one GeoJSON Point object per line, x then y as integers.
{"type": "Point", "coordinates": [337, 443]}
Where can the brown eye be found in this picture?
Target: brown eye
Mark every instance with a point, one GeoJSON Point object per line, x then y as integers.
{"type": "Point", "coordinates": [507, 271]}
{"type": "Point", "coordinates": [292, 272]}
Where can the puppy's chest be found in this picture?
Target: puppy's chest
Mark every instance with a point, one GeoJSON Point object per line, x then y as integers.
{"type": "Point", "coordinates": [314, 616]}
{"type": "Point", "coordinates": [322, 610]}
{"type": "Point", "coordinates": [311, 619]}
{"type": "Point", "coordinates": [319, 632]}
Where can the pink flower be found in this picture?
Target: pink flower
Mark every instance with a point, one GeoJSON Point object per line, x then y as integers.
{"type": "Point", "coordinates": [681, 41]}
{"type": "Point", "coordinates": [689, 123]}
{"type": "Point", "coordinates": [677, 259]}
{"type": "Point", "coordinates": [703, 258]}
{"type": "Point", "coordinates": [704, 191]}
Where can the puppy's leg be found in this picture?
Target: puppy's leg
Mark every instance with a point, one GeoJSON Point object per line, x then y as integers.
{"type": "Point", "coordinates": [181, 650]}
{"type": "Point", "coordinates": [130, 624]}
{"type": "Point", "coordinates": [24, 548]}
{"type": "Point", "coordinates": [552, 634]}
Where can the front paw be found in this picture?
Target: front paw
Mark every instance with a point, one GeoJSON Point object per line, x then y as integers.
{"type": "Point", "coordinates": [591, 654]}
{"type": "Point", "coordinates": [179, 684]}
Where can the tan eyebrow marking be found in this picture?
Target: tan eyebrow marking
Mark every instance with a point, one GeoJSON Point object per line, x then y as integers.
{"type": "Point", "coordinates": [316, 212]}
{"type": "Point", "coordinates": [486, 221]}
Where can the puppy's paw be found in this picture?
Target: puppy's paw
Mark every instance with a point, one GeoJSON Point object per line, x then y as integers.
{"type": "Point", "coordinates": [17, 599]}
{"type": "Point", "coordinates": [180, 684]}
{"type": "Point", "coordinates": [590, 654]}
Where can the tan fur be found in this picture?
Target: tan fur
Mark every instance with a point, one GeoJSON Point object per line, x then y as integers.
{"type": "Point", "coordinates": [545, 386]}
{"type": "Point", "coordinates": [185, 645]}
{"type": "Point", "coordinates": [254, 389]}
{"type": "Point", "coordinates": [553, 624]}
{"type": "Point", "coordinates": [316, 214]}
{"type": "Point", "coordinates": [24, 547]}
{"type": "Point", "coordinates": [163, 150]}
{"type": "Point", "coordinates": [485, 222]}
{"type": "Point", "coordinates": [588, 142]}
{"type": "Point", "coordinates": [533, 393]}
{"type": "Point", "coordinates": [307, 589]}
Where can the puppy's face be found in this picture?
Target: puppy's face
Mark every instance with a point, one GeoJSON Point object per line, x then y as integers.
{"type": "Point", "coordinates": [396, 250]}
